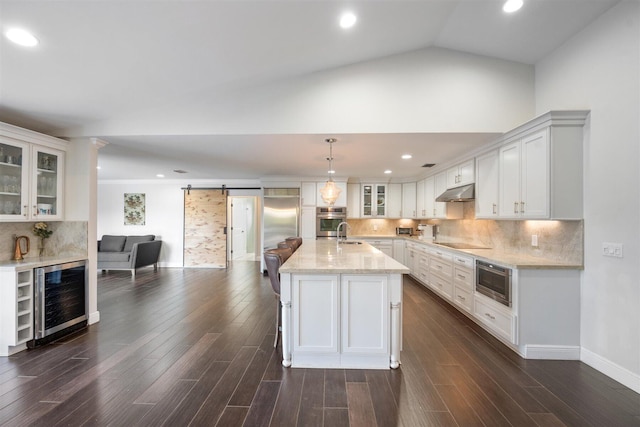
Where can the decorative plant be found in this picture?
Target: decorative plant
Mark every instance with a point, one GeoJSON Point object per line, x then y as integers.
{"type": "Point", "coordinates": [41, 229]}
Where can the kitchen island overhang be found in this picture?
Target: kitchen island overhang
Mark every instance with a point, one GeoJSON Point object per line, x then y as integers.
{"type": "Point", "coordinates": [341, 307]}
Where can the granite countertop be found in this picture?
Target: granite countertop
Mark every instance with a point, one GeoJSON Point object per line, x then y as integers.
{"type": "Point", "coordinates": [326, 257]}
{"type": "Point", "coordinates": [30, 263]}
{"type": "Point", "coordinates": [506, 259]}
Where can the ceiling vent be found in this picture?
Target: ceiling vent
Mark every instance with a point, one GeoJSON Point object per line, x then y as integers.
{"type": "Point", "coordinates": [428, 165]}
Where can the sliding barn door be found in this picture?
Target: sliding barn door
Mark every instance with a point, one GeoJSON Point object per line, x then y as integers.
{"type": "Point", "coordinates": [205, 220]}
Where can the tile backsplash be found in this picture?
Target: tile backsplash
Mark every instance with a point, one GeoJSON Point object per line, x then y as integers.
{"type": "Point", "coordinates": [69, 238]}
{"type": "Point", "coordinates": [557, 240]}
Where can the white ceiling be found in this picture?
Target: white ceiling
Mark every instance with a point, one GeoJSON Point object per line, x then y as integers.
{"type": "Point", "coordinates": [98, 60]}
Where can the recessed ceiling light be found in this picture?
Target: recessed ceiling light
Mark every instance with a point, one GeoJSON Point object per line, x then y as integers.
{"type": "Point", "coordinates": [98, 167]}
{"type": "Point", "coordinates": [387, 171]}
{"type": "Point", "coordinates": [406, 156]}
{"type": "Point", "coordinates": [348, 20]}
{"type": "Point", "coordinates": [21, 37]}
{"type": "Point", "coordinates": [160, 175]}
{"type": "Point", "coordinates": [511, 6]}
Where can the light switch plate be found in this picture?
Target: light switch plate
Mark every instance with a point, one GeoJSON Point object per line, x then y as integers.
{"type": "Point", "coordinates": [612, 249]}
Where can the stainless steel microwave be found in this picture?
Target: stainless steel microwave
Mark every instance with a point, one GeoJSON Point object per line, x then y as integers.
{"type": "Point", "coordinates": [494, 282]}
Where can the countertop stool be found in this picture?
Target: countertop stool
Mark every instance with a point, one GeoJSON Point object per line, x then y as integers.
{"type": "Point", "coordinates": [274, 258]}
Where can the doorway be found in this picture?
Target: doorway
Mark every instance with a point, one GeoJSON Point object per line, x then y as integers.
{"type": "Point", "coordinates": [243, 228]}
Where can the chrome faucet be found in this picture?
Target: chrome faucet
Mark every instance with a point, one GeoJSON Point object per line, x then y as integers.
{"type": "Point", "coordinates": [338, 230]}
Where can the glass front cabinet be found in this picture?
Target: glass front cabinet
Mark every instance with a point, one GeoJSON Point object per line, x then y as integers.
{"type": "Point", "coordinates": [374, 200]}
{"type": "Point", "coordinates": [31, 182]}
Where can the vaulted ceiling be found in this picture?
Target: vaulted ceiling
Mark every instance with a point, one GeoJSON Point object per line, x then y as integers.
{"type": "Point", "coordinates": [102, 65]}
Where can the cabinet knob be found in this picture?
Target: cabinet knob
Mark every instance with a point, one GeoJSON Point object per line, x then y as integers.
{"type": "Point", "coordinates": [515, 207]}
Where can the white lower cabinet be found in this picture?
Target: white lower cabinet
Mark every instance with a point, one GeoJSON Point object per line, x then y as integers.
{"type": "Point", "coordinates": [344, 320]}
{"type": "Point", "coordinates": [315, 309]}
{"type": "Point", "coordinates": [496, 317]}
{"type": "Point", "coordinates": [365, 314]}
{"type": "Point", "coordinates": [16, 311]}
{"type": "Point", "coordinates": [384, 245]}
{"type": "Point", "coordinates": [463, 282]}
{"type": "Point", "coordinates": [543, 321]}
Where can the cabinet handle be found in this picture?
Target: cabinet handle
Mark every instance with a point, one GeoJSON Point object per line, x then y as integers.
{"type": "Point", "coordinates": [521, 207]}
{"type": "Point", "coordinates": [462, 298]}
{"type": "Point", "coordinates": [462, 276]}
{"type": "Point", "coordinates": [490, 316]}
{"type": "Point", "coordinates": [494, 208]}
{"type": "Point", "coordinates": [25, 210]}
{"type": "Point", "coordinates": [515, 207]}
{"type": "Point", "coordinates": [35, 210]}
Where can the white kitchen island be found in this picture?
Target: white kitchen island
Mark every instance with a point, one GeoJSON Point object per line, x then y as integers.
{"type": "Point", "coordinates": [341, 307]}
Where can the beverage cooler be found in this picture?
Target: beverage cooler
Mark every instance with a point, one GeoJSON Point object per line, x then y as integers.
{"type": "Point", "coordinates": [60, 304]}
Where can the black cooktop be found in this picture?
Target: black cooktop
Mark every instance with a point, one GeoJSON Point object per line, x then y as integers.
{"type": "Point", "coordinates": [461, 245]}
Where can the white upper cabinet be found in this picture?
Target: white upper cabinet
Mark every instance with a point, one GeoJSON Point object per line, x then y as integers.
{"type": "Point", "coordinates": [421, 209]}
{"type": "Point", "coordinates": [524, 178]}
{"type": "Point", "coordinates": [374, 200]}
{"type": "Point", "coordinates": [540, 169]}
{"type": "Point", "coordinates": [409, 200]}
{"type": "Point", "coordinates": [394, 200]}
{"type": "Point", "coordinates": [462, 174]}
{"type": "Point", "coordinates": [308, 194]}
{"type": "Point", "coordinates": [487, 174]}
{"type": "Point", "coordinates": [31, 182]}
{"type": "Point", "coordinates": [353, 201]}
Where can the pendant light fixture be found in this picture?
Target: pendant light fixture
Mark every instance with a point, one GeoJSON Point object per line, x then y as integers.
{"type": "Point", "coordinates": [330, 191]}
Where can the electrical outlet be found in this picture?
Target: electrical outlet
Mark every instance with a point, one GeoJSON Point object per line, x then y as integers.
{"type": "Point", "coordinates": [612, 249]}
{"type": "Point", "coordinates": [534, 240]}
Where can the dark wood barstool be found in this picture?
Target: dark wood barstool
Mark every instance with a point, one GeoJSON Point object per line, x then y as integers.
{"type": "Point", "coordinates": [274, 258]}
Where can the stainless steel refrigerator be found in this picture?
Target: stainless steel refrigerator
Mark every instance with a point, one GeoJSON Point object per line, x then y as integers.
{"type": "Point", "coordinates": [281, 215]}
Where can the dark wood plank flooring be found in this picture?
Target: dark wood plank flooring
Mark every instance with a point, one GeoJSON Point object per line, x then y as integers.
{"type": "Point", "coordinates": [195, 347]}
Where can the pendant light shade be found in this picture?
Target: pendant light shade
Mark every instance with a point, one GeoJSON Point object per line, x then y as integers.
{"type": "Point", "coordinates": [330, 192]}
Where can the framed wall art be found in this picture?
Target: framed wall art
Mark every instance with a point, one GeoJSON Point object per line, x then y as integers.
{"type": "Point", "coordinates": [134, 209]}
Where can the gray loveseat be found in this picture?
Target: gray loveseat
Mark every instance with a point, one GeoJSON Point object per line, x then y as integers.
{"type": "Point", "coordinates": [128, 252]}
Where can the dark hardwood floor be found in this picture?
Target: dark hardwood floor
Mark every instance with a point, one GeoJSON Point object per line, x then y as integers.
{"type": "Point", "coordinates": [195, 347]}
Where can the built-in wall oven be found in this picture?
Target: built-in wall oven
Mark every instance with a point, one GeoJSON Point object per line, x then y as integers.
{"type": "Point", "coordinates": [60, 303]}
{"type": "Point", "coordinates": [494, 282]}
{"type": "Point", "coordinates": [327, 220]}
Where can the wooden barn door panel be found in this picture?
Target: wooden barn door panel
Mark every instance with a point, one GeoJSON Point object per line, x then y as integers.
{"type": "Point", "coordinates": [205, 219]}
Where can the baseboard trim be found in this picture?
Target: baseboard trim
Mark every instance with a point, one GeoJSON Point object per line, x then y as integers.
{"type": "Point", "coordinates": [610, 369]}
{"type": "Point", "coordinates": [94, 317]}
{"type": "Point", "coordinates": [552, 352]}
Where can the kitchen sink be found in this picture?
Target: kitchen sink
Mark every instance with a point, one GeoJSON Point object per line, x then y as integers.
{"type": "Point", "coordinates": [350, 242]}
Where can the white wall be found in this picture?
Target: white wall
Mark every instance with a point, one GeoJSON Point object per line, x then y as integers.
{"type": "Point", "coordinates": [599, 70]}
{"type": "Point", "coordinates": [164, 215]}
{"type": "Point", "coordinates": [164, 210]}
{"type": "Point", "coordinates": [428, 90]}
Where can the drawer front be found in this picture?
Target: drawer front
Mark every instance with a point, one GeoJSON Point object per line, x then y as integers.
{"type": "Point", "coordinates": [442, 286]}
{"type": "Point", "coordinates": [463, 277]}
{"type": "Point", "coordinates": [441, 267]}
{"type": "Point", "coordinates": [501, 323]}
{"type": "Point", "coordinates": [423, 276]}
{"type": "Point", "coordinates": [464, 261]}
{"type": "Point", "coordinates": [463, 298]}
{"type": "Point", "coordinates": [437, 253]}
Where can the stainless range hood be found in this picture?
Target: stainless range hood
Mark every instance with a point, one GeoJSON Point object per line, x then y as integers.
{"type": "Point", "coordinates": [458, 194]}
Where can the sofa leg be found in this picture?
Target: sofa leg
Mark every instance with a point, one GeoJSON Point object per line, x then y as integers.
{"type": "Point", "coordinates": [155, 266]}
